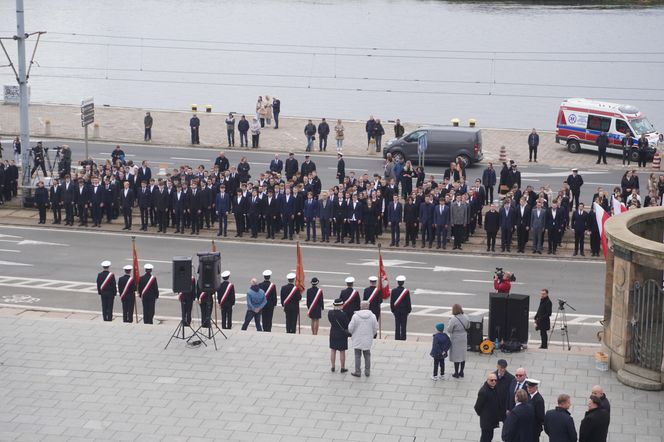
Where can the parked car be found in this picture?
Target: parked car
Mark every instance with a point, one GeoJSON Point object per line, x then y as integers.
{"type": "Point", "coordinates": [443, 145]}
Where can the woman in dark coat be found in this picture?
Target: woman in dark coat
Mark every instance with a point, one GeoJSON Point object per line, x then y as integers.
{"type": "Point", "coordinates": [338, 334]}
{"type": "Point", "coordinates": [407, 175]}
{"type": "Point", "coordinates": [243, 170]}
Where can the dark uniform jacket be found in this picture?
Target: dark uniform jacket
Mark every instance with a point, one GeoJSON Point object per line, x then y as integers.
{"type": "Point", "coordinates": [230, 299]}
{"type": "Point", "coordinates": [518, 426]}
{"type": "Point", "coordinates": [111, 287]}
{"type": "Point", "coordinates": [122, 284]}
{"type": "Point", "coordinates": [487, 407]}
{"type": "Point", "coordinates": [294, 303]}
{"type": "Point", "coordinates": [153, 291]}
{"type": "Point", "coordinates": [404, 306]}
{"type": "Point", "coordinates": [374, 306]}
{"type": "Point", "coordinates": [316, 312]}
{"type": "Point", "coordinates": [270, 296]}
{"type": "Point", "coordinates": [352, 306]}
{"type": "Point", "coordinates": [537, 401]}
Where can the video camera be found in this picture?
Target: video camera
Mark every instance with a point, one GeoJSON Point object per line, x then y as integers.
{"type": "Point", "coordinates": [500, 274]}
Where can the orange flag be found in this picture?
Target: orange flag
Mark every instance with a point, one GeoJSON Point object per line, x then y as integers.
{"type": "Point", "coordinates": [137, 270]}
{"type": "Point", "coordinates": [299, 270]}
{"type": "Point", "coordinates": [383, 282]}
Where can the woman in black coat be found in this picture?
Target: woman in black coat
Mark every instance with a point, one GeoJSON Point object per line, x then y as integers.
{"type": "Point", "coordinates": [243, 170]}
{"type": "Point", "coordinates": [369, 218]}
{"type": "Point", "coordinates": [338, 334]}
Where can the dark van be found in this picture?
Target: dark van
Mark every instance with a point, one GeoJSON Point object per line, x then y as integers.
{"type": "Point", "coordinates": [444, 145]}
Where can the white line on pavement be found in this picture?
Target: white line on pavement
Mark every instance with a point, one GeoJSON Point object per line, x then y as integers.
{"type": "Point", "coordinates": [151, 260]}
{"type": "Point", "coordinates": [10, 250]}
{"type": "Point", "coordinates": [192, 159]}
{"type": "Point", "coordinates": [488, 281]}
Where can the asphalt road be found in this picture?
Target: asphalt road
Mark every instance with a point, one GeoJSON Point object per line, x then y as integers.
{"type": "Point", "coordinates": [532, 174]}
{"type": "Point", "coordinates": [42, 268]}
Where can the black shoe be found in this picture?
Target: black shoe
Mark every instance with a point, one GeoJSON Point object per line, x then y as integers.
{"type": "Point", "coordinates": [332, 369]}
{"type": "Point", "coordinates": [460, 375]}
{"type": "Point", "coordinates": [343, 370]}
{"type": "Point", "coordinates": [357, 375]}
{"type": "Point", "coordinates": [455, 375]}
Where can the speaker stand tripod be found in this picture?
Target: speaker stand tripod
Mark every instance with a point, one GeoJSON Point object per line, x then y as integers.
{"type": "Point", "coordinates": [563, 324]}
{"type": "Point", "coordinates": [213, 329]}
{"type": "Point", "coordinates": [179, 332]}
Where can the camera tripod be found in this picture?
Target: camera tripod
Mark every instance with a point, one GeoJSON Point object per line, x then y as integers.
{"type": "Point", "coordinates": [179, 332]}
{"type": "Point", "coordinates": [56, 160]}
{"type": "Point", "coordinates": [563, 321]}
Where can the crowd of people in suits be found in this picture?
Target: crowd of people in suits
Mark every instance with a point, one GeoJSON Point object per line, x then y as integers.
{"type": "Point", "coordinates": [516, 402]}
{"type": "Point", "coordinates": [289, 197]}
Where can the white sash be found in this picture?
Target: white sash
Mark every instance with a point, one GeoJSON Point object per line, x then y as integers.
{"type": "Point", "coordinates": [401, 297]}
{"type": "Point", "coordinates": [290, 296]}
{"type": "Point", "coordinates": [225, 295]}
{"type": "Point", "coordinates": [148, 285]}
{"type": "Point", "coordinates": [106, 281]}
{"type": "Point", "coordinates": [317, 298]}
{"type": "Point", "coordinates": [130, 281]}
{"type": "Point", "coordinates": [350, 298]}
{"type": "Point", "coordinates": [373, 295]}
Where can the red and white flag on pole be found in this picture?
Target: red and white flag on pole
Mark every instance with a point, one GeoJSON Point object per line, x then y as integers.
{"type": "Point", "coordinates": [383, 282]}
{"type": "Point", "coordinates": [618, 206]}
{"type": "Point", "coordinates": [601, 217]}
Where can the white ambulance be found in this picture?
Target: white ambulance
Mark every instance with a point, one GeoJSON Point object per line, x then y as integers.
{"type": "Point", "coordinates": [580, 121]}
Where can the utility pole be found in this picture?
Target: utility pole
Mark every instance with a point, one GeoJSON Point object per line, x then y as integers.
{"type": "Point", "coordinates": [20, 38]}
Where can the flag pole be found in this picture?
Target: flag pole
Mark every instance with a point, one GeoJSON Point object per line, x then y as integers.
{"type": "Point", "coordinates": [380, 319]}
{"type": "Point", "coordinates": [133, 248]}
{"type": "Point", "coordinates": [299, 328]}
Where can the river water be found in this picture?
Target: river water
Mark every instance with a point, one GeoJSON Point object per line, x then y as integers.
{"type": "Point", "coordinates": [507, 65]}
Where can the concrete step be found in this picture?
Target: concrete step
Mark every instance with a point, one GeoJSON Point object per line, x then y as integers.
{"type": "Point", "coordinates": [638, 382]}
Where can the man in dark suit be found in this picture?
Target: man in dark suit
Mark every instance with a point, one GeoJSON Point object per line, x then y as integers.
{"type": "Point", "coordinates": [180, 207]}
{"type": "Point", "coordinates": [575, 181]}
{"type": "Point", "coordinates": [271, 213]}
{"type": "Point", "coordinates": [519, 424]}
{"type": "Point", "coordinates": [127, 204]}
{"type": "Point", "coordinates": [394, 216]}
{"type": "Point", "coordinates": [491, 226]}
{"type": "Point", "coordinates": [107, 290]}
{"type": "Point", "coordinates": [339, 210]}
{"type": "Point", "coordinates": [325, 214]}
{"type": "Point", "coordinates": [222, 206]}
{"type": "Point", "coordinates": [580, 223]}
{"type": "Point", "coordinates": [341, 168]}
{"type": "Point", "coordinates": [537, 401]}
{"type": "Point", "coordinates": [426, 221]}
{"type": "Point", "coordinates": [558, 423]}
{"type": "Point", "coordinates": [144, 201]}
{"type": "Point", "coordinates": [310, 214]}
{"type": "Point", "coordinates": [291, 166]}
{"type": "Point", "coordinates": [522, 224]}
{"type": "Point", "coordinates": [148, 290]}
{"type": "Point", "coordinates": [160, 199]}
{"type": "Point", "coordinates": [543, 317]}
{"type": "Point", "coordinates": [195, 207]}
{"type": "Point", "coordinates": [96, 202]}
{"type": "Point", "coordinates": [518, 383]}
{"type": "Point", "coordinates": [354, 218]}
{"type": "Point", "coordinates": [487, 408]}
{"type": "Point", "coordinates": [55, 198]}
{"type": "Point", "coordinates": [287, 206]}
{"type": "Point", "coordinates": [505, 379]}
{"type": "Point", "coordinates": [554, 226]}
{"type": "Point", "coordinates": [290, 301]}
{"type": "Point", "coordinates": [254, 212]}
{"type": "Point", "coordinates": [507, 221]}
{"type": "Point", "coordinates": [69, 193]}
{"type": "Point", "coordinates": [144, 173]}
{"type": "Point", "coordinates": [441, 222]}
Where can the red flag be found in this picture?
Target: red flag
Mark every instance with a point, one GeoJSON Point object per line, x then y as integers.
{"type": "Point", "coordinates": [299, 270]}
{"type": "Point", "coordinates": [383, 282]}
{"type": "Point", "coordinates": [135, 260]}
{"type": "Point", "coordinates": [601, 217]}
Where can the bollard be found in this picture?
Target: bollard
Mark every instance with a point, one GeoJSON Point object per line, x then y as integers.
{"type": "Point", "coordinates": [503, 154]}
{"type": "Point", "coordinates": [472, 122]}
{"type": "Point", "coordinates": [455, 122]}
{"type": "Point", "coordinates": [95, 131]}
{"type": "Point", "coordinates": [656, 159]}
{"type": "Point", "coordinates": [47, 127]}
{"type": "Point", "coordinates": [194, 108]}
{"type": "Point", "coordinates": [208, 108]}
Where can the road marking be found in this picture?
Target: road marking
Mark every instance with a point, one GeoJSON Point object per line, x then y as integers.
{"type": "Point", "coordinates": [191, 159]}
{"type": "Point", "coordinates": [436, 292]}
{"type": "Point", "coordinates": [432, 311]}
{"type": "Point", "coordinates": [30, 242]}
{"type": "Point", "coordinates": [13, 263]}
{"type": "Point", "coordinates": [151, 260]}
{"type": "Point", "coordinates": [10, 240]}
{"type": "Point", "coordinates": [483, 281]}
{"type": "Point", "coordinates": [349, 169]}
{"type": "Point", "coordinates": [10, 250]}
{"type": "Point", "coordinates": [322, 271]}
{"type": "Point", "coordinates": [10, 236]}
{"type": "Point", "coordinates": [149, 236]}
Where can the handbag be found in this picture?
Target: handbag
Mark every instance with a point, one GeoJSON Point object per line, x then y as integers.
{"type": "Point", "coordinates": [348, 334]}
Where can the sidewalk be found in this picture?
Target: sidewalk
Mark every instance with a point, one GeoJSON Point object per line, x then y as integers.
{"type": "Point", "coordinates": [82, 379]}
{"type": "Point", "coordinates": [125, 125]}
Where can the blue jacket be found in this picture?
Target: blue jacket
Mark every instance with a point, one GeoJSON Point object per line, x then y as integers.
{"type": "Point", "coordinates": [441, 219]}
{"type": "Point", "coordinates": [489, 177]}
{"type": "Point", "coordinates": [310, 209]}
{"type": "Point", "coordinates": [518, 426]}
{"type": "Point", "coordinates": [255, 298]}
{"type": "Point", "coordinates": [222, 203]}
{"type": "Point", "coordinates": [507, 220]}
{"type": "Point", "coordinates": [441, 345]}
{"type": "Point", "coordinates": [394, 215]}
{"type": "Point", "coordinates": [287, 209]}
{"type": "Point", "coordinates": [426, 213]}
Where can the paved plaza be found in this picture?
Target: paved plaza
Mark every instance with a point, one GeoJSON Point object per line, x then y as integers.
{"type": "Point", "coordinates": [82, 379]}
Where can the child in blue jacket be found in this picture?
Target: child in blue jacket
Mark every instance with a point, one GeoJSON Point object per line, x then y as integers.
{"type": "Point", "coordinates": [441, 345]}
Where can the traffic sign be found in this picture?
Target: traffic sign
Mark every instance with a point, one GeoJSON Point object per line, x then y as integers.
{"type": "Point", "coordinates": [87, 111]}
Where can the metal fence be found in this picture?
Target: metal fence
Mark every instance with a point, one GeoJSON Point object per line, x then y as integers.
{"type": "Point", "coordinates": [647, 325]}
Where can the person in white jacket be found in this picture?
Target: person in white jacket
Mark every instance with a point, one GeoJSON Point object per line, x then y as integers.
{"type": "Point", "coordinates": [363, 328]}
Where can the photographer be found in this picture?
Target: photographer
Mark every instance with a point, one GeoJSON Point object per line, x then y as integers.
{"type": "Point", "coordinates": [502, 281]}
{"type": "Point", "coordinates": [543, 317]}
{"type": "Point", "coordinates": [65, 161]}
{"type": "Point", "coordinates": [38, 159]}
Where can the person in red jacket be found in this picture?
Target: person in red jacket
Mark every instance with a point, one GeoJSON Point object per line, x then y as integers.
{"type": "Point", "coordinates": [503, 284]}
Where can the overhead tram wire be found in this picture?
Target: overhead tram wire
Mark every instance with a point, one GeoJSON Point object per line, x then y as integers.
{"type": "Point", "coordinates": [338, 89]}
{"type": "Point", "coordinates": [345, 54]}
{"type": "Point", "coordinates": [353, 78]}
{"type": "Point", "coordinates": [372, 48]}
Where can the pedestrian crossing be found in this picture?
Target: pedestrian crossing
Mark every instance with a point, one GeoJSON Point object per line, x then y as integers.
{"type": "Point", "coordinates": [431, 311]}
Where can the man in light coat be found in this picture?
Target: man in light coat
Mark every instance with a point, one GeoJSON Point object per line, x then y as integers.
{"type": "Point", "coordinates": [363, 328]}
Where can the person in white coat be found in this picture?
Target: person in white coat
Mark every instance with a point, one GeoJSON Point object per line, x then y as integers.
{"type": "Point", "coordinates": [363, 328]}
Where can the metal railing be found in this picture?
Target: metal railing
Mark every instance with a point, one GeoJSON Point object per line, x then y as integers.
{"type": "Point", "coordinates": [647, 325]}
